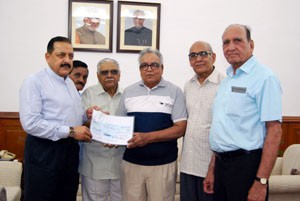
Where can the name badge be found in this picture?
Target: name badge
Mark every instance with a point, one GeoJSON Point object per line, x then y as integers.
{"type": "Point", "coordinates": [238, 89]}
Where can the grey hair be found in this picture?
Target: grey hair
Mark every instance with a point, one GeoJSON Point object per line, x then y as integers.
{"type": "Point", "coordinates": [107, 60]}
{"type": "Point", "coordinates": [209, 47]}
{"type": "Point", "coordinates": [150, 50]}
{"type": "Point", "coordinates": [137, 12]}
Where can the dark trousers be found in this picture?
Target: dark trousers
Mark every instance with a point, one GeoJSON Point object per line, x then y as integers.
{"type": "Point", "coordinates": [191, 188]}
{"type": "Point", "coordinates": [51, 169]}
{"type": "Point", "coordinates": [235, 176]}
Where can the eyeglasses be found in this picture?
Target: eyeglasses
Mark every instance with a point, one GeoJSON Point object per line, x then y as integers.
{"type": "Point", "coordinates": [202, 54]}
{"type": "Point", "coordinates": [153, 66]}
{"type": "Point", "coordinates": [106, 72]}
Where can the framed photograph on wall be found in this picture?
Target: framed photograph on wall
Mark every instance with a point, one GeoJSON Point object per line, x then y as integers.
{"type": "Point", "coordinates": [138, 26]}
{"type": "Point", "coordinates": [90, 25]}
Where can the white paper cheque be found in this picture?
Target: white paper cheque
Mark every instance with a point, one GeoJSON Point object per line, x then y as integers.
{"type": "Point", "coordinates": [111, 129]}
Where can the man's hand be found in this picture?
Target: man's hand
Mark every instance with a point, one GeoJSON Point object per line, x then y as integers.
{"type": "Point", "coordinates": [82, 133]}
{"type": "Point", "coordinates": [89, 111]}
{"type": "Point", "coordinates": [257, 192]}
{"type": "Point", "coordinates": [111, 145]}
{"type": "Point", "coordinates": [138, 140]}
{"type": "Point", "coordinates": [208, 184]}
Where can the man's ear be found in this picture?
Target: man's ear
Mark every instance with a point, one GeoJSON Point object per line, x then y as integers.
{"type": "Point", "coordinates": [214, 56]}
{"type": "Point", "coordinates": [252, 44]}
{"type": "Point", "coordinates": [47, 55]}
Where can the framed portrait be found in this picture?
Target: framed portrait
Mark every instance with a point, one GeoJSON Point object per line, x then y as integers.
{"type": "Point", "coordinates": [90, 25]}
{"type": "Point", "coordinates": [138, 26]}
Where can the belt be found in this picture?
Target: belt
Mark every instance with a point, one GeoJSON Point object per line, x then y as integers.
{"type": "Point", "coordinates": [236, 153]}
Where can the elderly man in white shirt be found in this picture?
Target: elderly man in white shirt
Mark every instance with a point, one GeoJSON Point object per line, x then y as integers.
{"type": "Point", "coordinates": [100, 164]}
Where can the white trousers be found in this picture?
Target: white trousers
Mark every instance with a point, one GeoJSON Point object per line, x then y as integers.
{"type": "Point", "coordinates": [100, 190]}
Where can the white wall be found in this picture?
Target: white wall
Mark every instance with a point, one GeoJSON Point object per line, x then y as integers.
{"type": "Point", "coordinates": [27, 26]}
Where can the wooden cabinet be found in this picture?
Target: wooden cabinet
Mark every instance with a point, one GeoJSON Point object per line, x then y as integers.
{"type": "Point", "coordinates": [12, 136]}
{"type": "Point", "coordinates": [290, 132]}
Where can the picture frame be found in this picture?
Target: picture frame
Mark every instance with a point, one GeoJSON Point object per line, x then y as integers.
{"type": "Point", "coordinates": [138, 26]}
{"type": "Point", "coordinates": [90, 25]}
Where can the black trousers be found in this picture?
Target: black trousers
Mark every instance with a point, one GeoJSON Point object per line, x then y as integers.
{"type": "Point", "coordinates": [234, 176]}
{"type": "Point", "coordinates": [191, 188]}
{"type": "Point", "coordinates": [50, 169]}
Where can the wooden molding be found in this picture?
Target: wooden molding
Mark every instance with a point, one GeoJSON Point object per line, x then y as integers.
{"type": "Point", "coordinates": [9, 115]}
{"type": "Point", "coordinates": [291, 119]}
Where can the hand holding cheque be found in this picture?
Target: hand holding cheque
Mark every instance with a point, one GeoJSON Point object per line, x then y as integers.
{"type": "Point", "coordinates": [111, 129]}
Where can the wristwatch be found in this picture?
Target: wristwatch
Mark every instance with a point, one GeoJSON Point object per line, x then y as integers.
{"type": "Point", "coordinates": [71, 132]}
{"type": "Point", "coordinates": [263, 181]}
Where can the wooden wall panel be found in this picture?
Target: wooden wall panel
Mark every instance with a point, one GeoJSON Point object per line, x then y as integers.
{"type": "Point", "coordinates": [291, 132]}
{"type": "Point", "coordinates": [12, 136]}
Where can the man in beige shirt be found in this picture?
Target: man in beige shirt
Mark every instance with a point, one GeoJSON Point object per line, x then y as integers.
{"type": "Point", "coordinates": [199, 94]}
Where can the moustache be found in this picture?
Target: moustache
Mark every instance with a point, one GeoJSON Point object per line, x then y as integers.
{"type": "Point", "coordinates": [82, 84]}
{"type": "Point", "coordinates": [109, 79]}
{"type": "Point", "coordinates": [65, 65]}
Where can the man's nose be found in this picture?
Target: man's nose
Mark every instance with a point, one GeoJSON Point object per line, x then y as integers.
{"type": "Point", "coordinates": [81, 79]}
{"type": "Point", "coordinates": [68, 59]}
{"type": "Point", "coordinates": [231, 46]}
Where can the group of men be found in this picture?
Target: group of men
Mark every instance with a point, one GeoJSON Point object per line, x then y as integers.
{"type": "Point", "coordinates": [231, 127]}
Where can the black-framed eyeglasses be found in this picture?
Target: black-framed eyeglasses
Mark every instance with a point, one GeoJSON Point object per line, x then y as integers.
{"type": "Point", "coordinates": [106, 72]}
{"type": "Point", "coordinates": [153, 66]}
{"type": "Point", "coordinates": [202, 54]}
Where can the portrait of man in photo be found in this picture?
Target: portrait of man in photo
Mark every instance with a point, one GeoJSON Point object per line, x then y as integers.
{"type": "Point", "coordinates": [138, 35]}
{"type": "Point", "coordinates": [88, 34]}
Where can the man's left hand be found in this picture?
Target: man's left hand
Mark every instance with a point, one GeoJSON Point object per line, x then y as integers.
{"type": "Point", "coordinates": [257, 192]}
{"type": "Point", "coordinates": [138, 140]}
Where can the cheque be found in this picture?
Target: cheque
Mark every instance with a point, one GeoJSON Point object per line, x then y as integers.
{"type": "Point", "coordinates": [111, 129]}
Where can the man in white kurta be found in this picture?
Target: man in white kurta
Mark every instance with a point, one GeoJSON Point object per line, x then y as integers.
{"type": "Point", "coordinates": [100, 164]}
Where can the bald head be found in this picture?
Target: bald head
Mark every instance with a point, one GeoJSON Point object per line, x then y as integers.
{"type": "Point", "coordinates": [246, 29]}
{"type": "Point", "coordinates": [201, 43]}
{"type": "Point", "coordinates": [237, 45]}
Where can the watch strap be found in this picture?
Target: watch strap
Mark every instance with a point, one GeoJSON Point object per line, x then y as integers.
{"type": "Point", "coordinates": [71, 132]}
{"type": "Point", "coordinates": [263, 181]}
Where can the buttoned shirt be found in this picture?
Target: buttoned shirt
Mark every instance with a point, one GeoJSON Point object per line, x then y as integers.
{"type": "Point", "coordinates": [196, 153]}
{"type": "Point", "coordinates": [99, 162]}
{"type": "Point", "coordinates": [244, 103]}
{"type": "Point", "coordinates": [49, 105]}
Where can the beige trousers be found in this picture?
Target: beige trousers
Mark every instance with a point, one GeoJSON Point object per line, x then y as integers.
{"type": "Point", "coordinates": [148, 183]}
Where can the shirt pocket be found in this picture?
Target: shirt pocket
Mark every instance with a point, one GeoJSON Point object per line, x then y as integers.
{"type": "Point", "coordinates": [236, 105]}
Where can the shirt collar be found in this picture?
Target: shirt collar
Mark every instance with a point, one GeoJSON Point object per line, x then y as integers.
{"type": "Point", "coordinates": [54, 75]}
{"type": "Point", "coordinates": [245, 68]}
{"type": "Point", "coordinates": [213, 77]}
{"type": "Point", "coordinates": [102, 91]}
{"type": "Point", "coordinates": [162, 83]}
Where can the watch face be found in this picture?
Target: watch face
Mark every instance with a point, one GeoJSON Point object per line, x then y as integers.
{"type": "Point", "coordinates": [263, 181]}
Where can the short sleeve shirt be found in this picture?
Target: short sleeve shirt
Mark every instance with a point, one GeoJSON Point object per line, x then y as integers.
{"type": "Point", "coordinates": [245, 101]}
